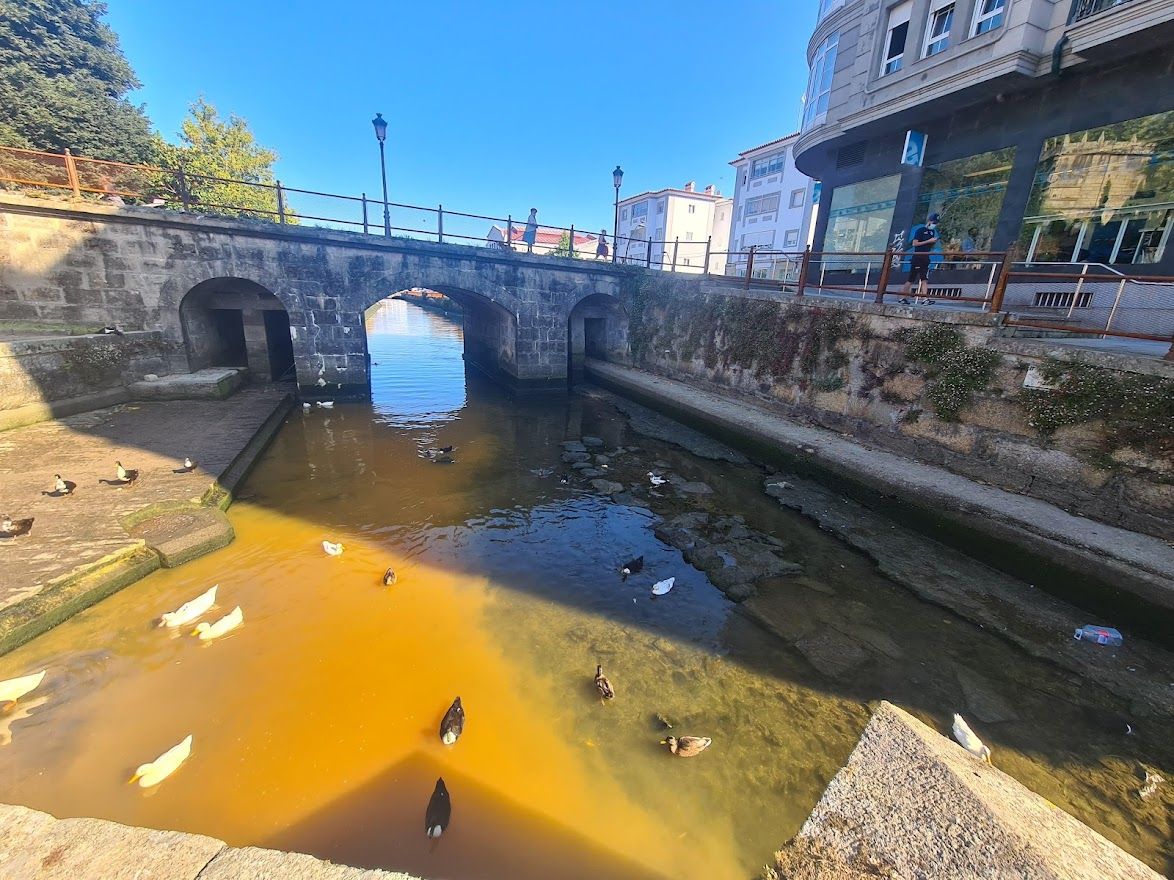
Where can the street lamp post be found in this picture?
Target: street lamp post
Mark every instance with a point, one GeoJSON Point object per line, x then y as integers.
{"type": "Point", "coordinates": [617, 178]}
{"type": "Point", "coordinates": [381, 135]}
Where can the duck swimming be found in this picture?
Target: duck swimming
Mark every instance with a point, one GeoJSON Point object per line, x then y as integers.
{"type": "Point", "coordinates": [602, 685]}
{"type": "Point", "coordinates": [632, 566]}
{"type": "Point", "coordinates": [439, 811]}
{"type": "Point", "coordinates": [229, 622]}
{"type": "Point", "coordinates": [453, 723]}
{"type": "Point", "coordinates": [389, 577]}
{"type": "Point", "coordinates": [15, 688]}
{"type": "Point", "coordinates": [687, 746]}
{"type": "Point", "coordinates": [156, 771]}
{"type": "Point", "coordinates": [14, 528]}
{"type": "Point", "coordinates": [189, 611]}
{"type": "Point", "coordinates": [332, 549]}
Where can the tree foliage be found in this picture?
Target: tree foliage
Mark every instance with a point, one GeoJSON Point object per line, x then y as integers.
{"type": "Point", "coordinates": [225, 169]}
{"type": "Point", "coordinates": [64, 81]}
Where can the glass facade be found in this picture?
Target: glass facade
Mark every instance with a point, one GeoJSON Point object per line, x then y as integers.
{"type": "Point", "coordinates": [968, 194]}
{"type": "Point", "coordinates": [1104, 195]}
{"type": "Point", "coordinates": [819, 83]}
{"type": "Point", "coordinates": [861, 214]}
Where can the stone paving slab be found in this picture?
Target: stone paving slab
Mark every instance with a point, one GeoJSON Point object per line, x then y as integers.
{"type": "Point", "coordinates": [151, 437]}
{"type": "Point", "coordinates": [267, 864]}
{"type": "Point", "coordinates": [911, 803]}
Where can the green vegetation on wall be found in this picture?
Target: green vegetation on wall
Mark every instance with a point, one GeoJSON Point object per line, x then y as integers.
{"type": "Point", "coordinates": [1140, 408]}
{"type": "Point", "coordinates": [957, 371]}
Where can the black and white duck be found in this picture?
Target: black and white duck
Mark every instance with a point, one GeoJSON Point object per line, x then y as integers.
{"type": "Point", "coordinates": [632, 566]}
{"type": "Point", "coordinates": [453, 723]}
{"type": "Point", "coordinates": [439, 811]}
{"type": "Point", "coordinates": [14, 528]}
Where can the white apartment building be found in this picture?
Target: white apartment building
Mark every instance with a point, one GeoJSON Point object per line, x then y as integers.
{"type": "Point", "coordinates": [772, 209]}
{"type": "Point", "coordinates": [657, 226]}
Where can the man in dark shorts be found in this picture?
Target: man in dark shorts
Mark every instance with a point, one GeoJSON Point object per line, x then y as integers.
{"type": "Point", "coordinates": [923, 241]}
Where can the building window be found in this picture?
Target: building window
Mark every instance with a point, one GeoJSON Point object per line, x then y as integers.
{"type": "Point", "coordinates": [660, 206]}
{"type": "Point", "coordinates": [861, 214]}
{"type": "Point", "coordinates": [819, 83]}
{"type": "Point", "coordinates": [988, 15]}
{"type": "Point", "coordinates": [624, 214]}
{"type": "Point", "coordinates": [692, 209]}
{"type": "Point", "coordinates": [768, 165]}
{"type": "Point", "coordinates": [791, 238]}
{"type": "Point", "coordinates": [937, 31]}
{"type": "Point", "coordinates": [688, 236]}
{"type": "Point", "coordinates": [640, 209]}
{"type": "Point", "coordinates": [898, 30]}
{"type": "Point", "coordinates": [827, 7]}
{"type": "Point", "coordinates": [762, 205]}
{"type": "Point", "coordinates": [1105, 195]}
{"type": "Point", "coordinates": [797, 196]}
{"type": "Point", "coordinates": [968, 195]}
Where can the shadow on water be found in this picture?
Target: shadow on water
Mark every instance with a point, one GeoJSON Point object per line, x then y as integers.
{"type": "Point", "coordinates": [769, 680]}
{"type": "Point", "coordinates": [490, 836]}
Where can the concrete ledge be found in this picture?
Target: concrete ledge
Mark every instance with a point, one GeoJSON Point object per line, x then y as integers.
{"type": "Point", "coordinates": [31, 413]}
{"type": "Point", "coordinates": [912, 804]}
{"type": "Point", "coordinates": [216, 383]}
{"type": "Point", "coordinates": [1137, 563]}
{"type": "Point", "coordinates": [70, 594]}
{"type": "Point", "coordinates": [37, 846]}
{"type": "Point", "coordinates": [180, 531]}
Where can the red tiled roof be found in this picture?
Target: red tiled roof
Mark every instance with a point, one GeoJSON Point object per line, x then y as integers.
{"type": "Point", "coordinates": [551, 236]}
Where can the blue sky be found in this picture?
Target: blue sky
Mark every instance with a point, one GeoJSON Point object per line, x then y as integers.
{"type": "Point", "coordinates": [493, 108]}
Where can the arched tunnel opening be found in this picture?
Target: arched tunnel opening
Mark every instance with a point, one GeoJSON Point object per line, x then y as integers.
{"type": "Point", "coordinates": [597, 328]}
{"type": "Point", "coordinates": [234, 322]}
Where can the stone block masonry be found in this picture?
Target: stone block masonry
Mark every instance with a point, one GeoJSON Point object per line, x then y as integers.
{"type": "Point", "coordinates": [68, 265]}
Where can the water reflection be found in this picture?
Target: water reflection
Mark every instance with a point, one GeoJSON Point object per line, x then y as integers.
{"type": "Point", "coordinates": [316, 723]}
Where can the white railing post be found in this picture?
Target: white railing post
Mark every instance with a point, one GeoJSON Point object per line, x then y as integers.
{"type": "Point", "coordinates": [1113, 311]}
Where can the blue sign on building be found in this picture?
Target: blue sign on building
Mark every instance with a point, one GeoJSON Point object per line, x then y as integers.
{"type": "Point", "coordinates": [914, 152]}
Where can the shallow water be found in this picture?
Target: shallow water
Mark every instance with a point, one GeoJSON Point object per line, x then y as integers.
{"type": "Point", "coordinates": [315, 724]}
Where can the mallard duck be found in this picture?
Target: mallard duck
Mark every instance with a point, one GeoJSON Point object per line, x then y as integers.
{"type": "Point", "coordinates": [187, 467]}
{"type": "Point", "coordinates": [389, 577]}
{"type": "Point", "coordinates": [15, 688]}
{"type": "Point", "coordinates": [12, 528]}
{"type": "Point", "coordinates": [227, 623]}
{"type": "Point", "coordinates": [439, 811]}
{"type": "Point", "coordinates": [189, 611]}
{"type": "Point", "coordinates": [968, 740]}
{"type": "Point", "coordinates": [122, 476]}
{"type": "Point", "coordinates": [156, 771]}
{"type": "Point", "coordinates": [453, 723]}
{"type": "Point", "coordinates": [332, 549]}
{"type": "Point", "coordinates": [662, 587]}
{"type": "Point", "coordinates": [687, 746]}
{"type": "Point", "coordinates": [632, 566]}
{"type": "Point", "coordinates": [61, 487]}
{"type": "Point", "coordinates": [603, 685]}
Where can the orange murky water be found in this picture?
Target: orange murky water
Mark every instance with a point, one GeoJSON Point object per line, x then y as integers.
{"type": "Point", "coordinates": [315, 724]}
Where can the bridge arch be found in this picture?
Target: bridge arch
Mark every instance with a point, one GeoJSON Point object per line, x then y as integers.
{"type": "Point", "coordinates": [597, 327]}
{"type": "Point", "coordinates": [230, 321]}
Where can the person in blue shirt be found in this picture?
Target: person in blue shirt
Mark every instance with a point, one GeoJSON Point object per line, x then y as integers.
{"type": "Point", "coordinates": [923, 242]}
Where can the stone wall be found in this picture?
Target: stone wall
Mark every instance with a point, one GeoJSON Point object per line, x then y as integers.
{"type": "Point", "coordinates": [938, 386]}
{"type": "Point", "coordinates": [65, 265]}
{"type": "Point", "coordinates": [34, 371]}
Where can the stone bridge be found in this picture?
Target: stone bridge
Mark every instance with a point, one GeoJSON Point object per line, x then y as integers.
{"type": "Point", "coordinates": [290, 300]}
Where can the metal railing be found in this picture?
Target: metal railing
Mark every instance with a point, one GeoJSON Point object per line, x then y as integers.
{"type": "Point", "coordinates": [1082, 9]}
{"type": "Point", "coordinates": [1091, 300]}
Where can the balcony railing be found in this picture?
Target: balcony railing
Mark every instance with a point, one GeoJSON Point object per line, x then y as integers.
{"type": "Point", "coordinates": [1082, 9]}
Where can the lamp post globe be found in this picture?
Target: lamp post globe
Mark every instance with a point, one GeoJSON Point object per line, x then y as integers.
{"type": "Point", "coordinates": [617, 178]}
{"type": "Point", "coordinates": [380, 126]}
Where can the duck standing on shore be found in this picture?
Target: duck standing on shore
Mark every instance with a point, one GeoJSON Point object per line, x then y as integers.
{"type": "Point", "coordinates": [187, 467]}
{"type": "Point", "coordinates": [453, 723]}
{"type": "Point", "coordinates": [968, 740]}
{"type": "Point", "coordinates": [61, 487]}
{"type": "Point", "coordinates": [122, 476]}
{"type": "Point", "coordinates": [14, 528]}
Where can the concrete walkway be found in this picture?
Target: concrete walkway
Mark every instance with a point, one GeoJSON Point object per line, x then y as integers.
{"type": "Point", "coordinates": [102, 526]}
{"type": "Point", "coordinates": [912, 804]}
{"type": "Point", "coordinates": [37, 846]}
{"type": "Point", "coordinates": [1139, 563]}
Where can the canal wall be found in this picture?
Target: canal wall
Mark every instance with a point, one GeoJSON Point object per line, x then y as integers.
{"type": "Point", "coordinates": [1089, 431]}
{"type": "Point", "coordinates": [53, 376]}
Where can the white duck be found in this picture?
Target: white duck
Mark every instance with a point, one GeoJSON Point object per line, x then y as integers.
{"type": "Point", "coordinates": [189, 611]}
{"type": "Point", "coordinates": [662, 587]}
{"type": "Point", "coordinates": [15, 688]}
{"type": "Point", "coordinates": [227, 623]}
{"type": "Point", "coordinates": [332, 549]}
{"type": "Point", "coordinates": [326, 404]}
{"type": "Point", "coordinates": [156, 771]}
{"type": "Point", "coordinates": [968, 740]}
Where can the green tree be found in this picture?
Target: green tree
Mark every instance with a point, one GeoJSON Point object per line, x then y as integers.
{"type": "Point", "coordinates": [563, 248]}
{"type": "Point", "coordinates": [225, 169]}
{"type": "Point", "coordinates": [64, 81]}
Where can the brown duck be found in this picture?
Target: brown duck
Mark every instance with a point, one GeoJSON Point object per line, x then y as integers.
{"type": "Point", "coordinates": [687, 746]}
{"type": "Point", "coordinates": [603, 685]}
